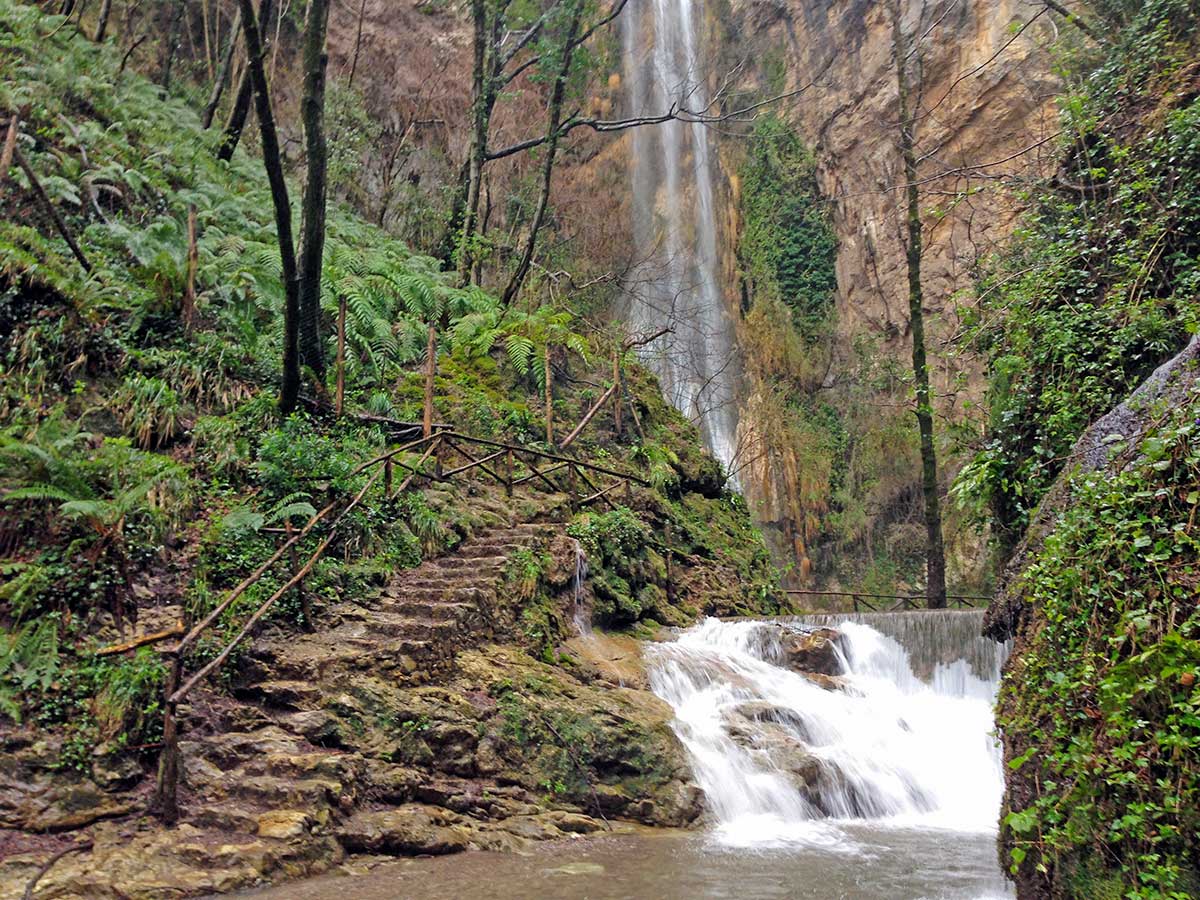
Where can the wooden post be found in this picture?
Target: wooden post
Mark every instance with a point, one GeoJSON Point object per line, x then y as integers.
{"type": "Point", "coordinates": [10, 141]}
{"type": "Point", "coordinates": [437, 455]}
{"type": "Point", "coordinates": [340, 399]}
{"type": "Point", "coordinates": [617, 394]}
{"type": "Point", "coordinates": [168, 760]}
{"type": "Point", "coordinates": [549, 399]}
{"type": "Point", "coordinates": [387, 478]}
{"type": "Point", "coordinates": [430, 370]}
{"type": "Point", "coordinates": [193, 262]}
{"type": "Point", "coordinates": [305, 603]}
{"type": "Point", "coordinates": [508, 473]}
{"type": "Point", "coordinates": [670, 557]}
{"type": "Point", "coordinates": [628, 492]}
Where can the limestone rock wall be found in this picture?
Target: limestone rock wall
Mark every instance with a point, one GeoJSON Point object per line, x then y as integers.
{"type": "Point", "coordinates": [988, 115]}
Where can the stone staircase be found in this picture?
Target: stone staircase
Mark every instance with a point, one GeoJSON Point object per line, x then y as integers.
{"type": "Point", "coordinates": [281, 761]}
{"type": "Point", "coordinates": [410, 630]}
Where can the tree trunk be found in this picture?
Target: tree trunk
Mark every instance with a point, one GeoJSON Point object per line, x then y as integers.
{"type": "Point", "coordinates": [193, 260]}
{"type": "Point", "coordinates": [102, 21]}
{"type": "Point", "coordinates": [240, 111]}
{"type": "Point", "coordinates": [617, 395]}
{"type": "Point", "coordinates": [172, 46]}
{"type": "Point", "coordinates": [222, 79]}
{"type": "Point", "coordinates": [548, 377]}
{"type": "Point", "coordinates": [552, 137]}
{"type": "Point", "coordinates": [362, 11]}
{"type": "Point", "coordinates": [340, 397]}
{"type": "Point", "coordinates": [430, 372]}
{"type": "Point", "coordinates": [289, 389]}
{"type": "Point", "coordinates": [478, 139]}
{"type": "Point", "coordinates": [935, 551]}
{"type": "Point", "coordinates": [312, 240]}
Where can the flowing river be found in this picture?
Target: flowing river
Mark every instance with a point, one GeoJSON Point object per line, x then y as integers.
{"type": "Point", "coordinates": [883, 784]}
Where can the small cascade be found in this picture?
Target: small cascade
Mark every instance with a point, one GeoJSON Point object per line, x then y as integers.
{"type": "Point", "coordinates": [900, 738]}
{"type": "Point", "coordinates": [582, 615]}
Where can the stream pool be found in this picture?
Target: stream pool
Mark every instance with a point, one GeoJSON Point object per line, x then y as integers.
{"type": "Point", "coordinates": [846, 862]}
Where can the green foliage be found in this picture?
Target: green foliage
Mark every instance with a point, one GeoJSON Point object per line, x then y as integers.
{"type": "Point", "coordinates": [28, 663]}
{"type": "Point", "coordinates": [1101, 284]}
{"type": "Point", "coordinates": [788, 246]}
{"type": "Point", "coordinates": [1102, 711]}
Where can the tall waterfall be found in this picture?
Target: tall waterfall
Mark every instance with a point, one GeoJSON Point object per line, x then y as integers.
{"type": "Point", "coordinates": [676, 280]}
{"type": "Point", "coordinates": [902, 737]}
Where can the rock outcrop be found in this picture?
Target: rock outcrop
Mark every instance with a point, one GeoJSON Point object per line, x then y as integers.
{"type": "Point", "coordinates": [401, 729]}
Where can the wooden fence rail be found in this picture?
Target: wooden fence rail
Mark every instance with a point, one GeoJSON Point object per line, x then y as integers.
{"type": "Point", "coordinates": [441, 445]}
{"type": "Point", "coordinates": [903, 601]}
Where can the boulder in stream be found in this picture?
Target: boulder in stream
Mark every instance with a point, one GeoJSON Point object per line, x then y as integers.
{"type": "Point", "coordinates": [812, 652]}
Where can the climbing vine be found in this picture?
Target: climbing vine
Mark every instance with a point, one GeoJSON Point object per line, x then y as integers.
{"type": "Point", "coordinates": [1101, 712]}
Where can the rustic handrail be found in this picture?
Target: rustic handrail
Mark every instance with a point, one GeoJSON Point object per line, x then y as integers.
{"type": "Point", "coordinates": [903, 599]}
{"type": "Point", "coordinates": [175, 692]}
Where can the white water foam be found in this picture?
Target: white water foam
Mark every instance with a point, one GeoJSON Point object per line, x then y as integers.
{"type": "Point", "coordinates": [782, 759]}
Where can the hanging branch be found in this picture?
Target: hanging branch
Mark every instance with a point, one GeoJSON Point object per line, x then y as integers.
{"type": "Point", "coordinates": [222, 79]}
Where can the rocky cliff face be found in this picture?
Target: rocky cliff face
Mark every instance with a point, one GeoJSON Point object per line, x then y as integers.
{"type": "Point", "coordinates": [987, 112]}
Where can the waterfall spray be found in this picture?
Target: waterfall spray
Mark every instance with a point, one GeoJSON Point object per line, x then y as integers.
{"type": "Point", "coordinates": [678, 283]}
{"type": "Point", "coordinates": [902, 737]}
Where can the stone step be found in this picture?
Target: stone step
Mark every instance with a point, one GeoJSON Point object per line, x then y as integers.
{"type": "Point", "coordinates": [478, 564]}
{"type": "Point", "coordinates": [272, 792]}
{"type": "Point", "coordinates": [438, 595]}
{"type": "Point", "coordinates": [444, 581]}
{"type": "Point", "coordinates": [284, 694]}
{"type": "Point", "coordinates": [432, 609]}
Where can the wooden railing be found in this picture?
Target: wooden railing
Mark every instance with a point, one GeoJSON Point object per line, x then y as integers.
{"type": "Point", "coordinates": [903, 601]}
{"type": "Point", "coordinates": [510, 465]}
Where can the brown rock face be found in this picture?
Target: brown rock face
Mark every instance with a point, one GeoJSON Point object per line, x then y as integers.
{"type": "Point", "coordinates": [987, 99]}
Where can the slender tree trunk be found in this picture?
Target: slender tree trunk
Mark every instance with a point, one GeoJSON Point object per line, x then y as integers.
{"type": "Point", "coordinates": [193, 260]}
{"type": "Point", "coordinates": [478, 139]}
{"type": "Point", "coordinates": [552, 135]}
{"type": "Point", "coordinates": [340, 398]}
{"type": "Point", "coordinates": [222, 79]}
{"type": "Point", "coordinates": [289, 390]}
{"type": "Point", "coordinates": [362, 11]}
{"type": "Point", "coordinates": [312, 239]}
{"type": "Point", "coordinates": [617, 394]}
{"type": "Point", "coordinates": [548, 377]}
{"type": "Point", "coordinates": [172, 45]}
{"type": "Point", "coordinates": [935, 550]}
{"type": "Point", "coordinates": [240, 110]}
{"type": "Point", "coordinates": [430, 372]}
{"type": "Point", "coordinates": [102, 21]}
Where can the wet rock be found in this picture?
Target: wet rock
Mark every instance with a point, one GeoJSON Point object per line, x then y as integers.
{"type": "Point", "coordinates": [71, 806]}
{"type": "Point", "coordinates": [114, 771]}
{"type": "Point", "coordinates": [283, 824]}
{"type": "Point", "coordinates": [408, 830]}
{"type": "Point", "coordinates": [318, 726]}
{"type": "Point", "coordinates": [813, 652]}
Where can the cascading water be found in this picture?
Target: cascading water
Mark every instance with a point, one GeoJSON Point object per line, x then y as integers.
{"type": "Point", "coordinates": [582, 615]}
{"type": "Point", "coordinates": [677, 281]}
{"type": "Point", "coordinates": [901, 739]}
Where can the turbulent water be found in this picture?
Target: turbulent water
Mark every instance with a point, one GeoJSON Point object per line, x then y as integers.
{"type": "Point", "coordinates": [904, 741]}
{"type": "Point", "coordinates": [676, 282]}
{"type": "Point", "coordinates": [886, 788]}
